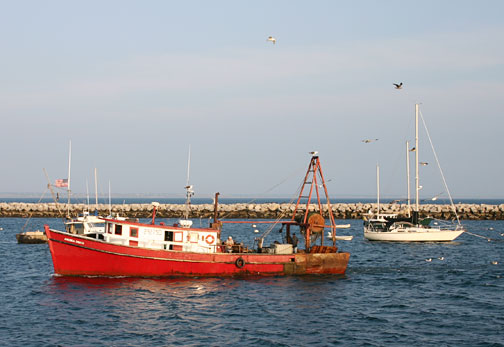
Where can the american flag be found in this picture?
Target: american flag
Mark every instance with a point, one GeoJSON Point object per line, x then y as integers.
{"type": "Point", "coordinates": [61, 183]}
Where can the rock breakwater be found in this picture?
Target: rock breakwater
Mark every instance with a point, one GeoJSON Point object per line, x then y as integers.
{"type": "Point", "coordinates": [251, 211]}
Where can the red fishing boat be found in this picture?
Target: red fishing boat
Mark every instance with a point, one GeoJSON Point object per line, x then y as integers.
{"type": "Point", "coordinates": [130, 248]}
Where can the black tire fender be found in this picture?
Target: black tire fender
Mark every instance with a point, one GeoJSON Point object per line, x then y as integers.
{"type": "Point", "coordinates": [240, 262]}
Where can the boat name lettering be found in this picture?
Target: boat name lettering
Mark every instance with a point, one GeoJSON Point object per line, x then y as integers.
{"type": "Point", "coordinates": [74, 241]}
{"type": "Point", "coordinates": [149, 231]}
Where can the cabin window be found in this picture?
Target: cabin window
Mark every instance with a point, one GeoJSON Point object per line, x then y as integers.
{"type": "Point", "coordinates": [178, 237]}
{"type": "Point", "coordinates": [118, 229]}
{"type": "Point", "coordinates": [168, 235]}
{"type": "Point", "coordinates": [109, 228]}
{"type": "Point", "coordinates": [133, 232]}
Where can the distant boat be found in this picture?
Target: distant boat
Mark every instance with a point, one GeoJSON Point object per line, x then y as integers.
{"type": "Point", "coordinates": [410, 228]}
{"type": "Point", "coordinates": [130, 248]}
{"type": "Point", "coordinates": [31, 237]}
{"type": "Point", "coordinates": [340, 237]}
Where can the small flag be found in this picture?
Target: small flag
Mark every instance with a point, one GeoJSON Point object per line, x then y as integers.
{"type": "Point", "coordinates": [61, 183]}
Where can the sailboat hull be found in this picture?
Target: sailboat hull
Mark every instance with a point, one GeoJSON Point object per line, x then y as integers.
{"type": "Point", "coordinates": [414, 235]}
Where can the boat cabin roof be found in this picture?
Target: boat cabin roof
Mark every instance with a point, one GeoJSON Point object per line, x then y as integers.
{"type": "Point", "coordinates": [161, 225]}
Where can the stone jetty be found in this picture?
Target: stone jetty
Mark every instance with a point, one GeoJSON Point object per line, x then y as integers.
{"type": "Point", "coordinates": [251, 211]}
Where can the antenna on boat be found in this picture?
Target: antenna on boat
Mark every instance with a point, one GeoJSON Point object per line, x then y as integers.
{"type": "Point", "coordinates": [188, 187]}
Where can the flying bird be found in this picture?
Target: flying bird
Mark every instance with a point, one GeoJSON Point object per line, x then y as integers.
{"type": "Point", "coordinates": [397, 86]}
{"type": "Point", "coordinates": [272, 39]}
{"type": "Point", "coordinates": [413, 149]}
{"type": "Point", "coordinates": [314, 153]}
{"type": "Point", "coordinates": [424, 163]}
{"type": "Point", "coordinates": [494, 262]}
{"type": "Point", "coordinates": [441, 258]}
{"type": "Point", "coordinates": [428, 260]}
{"type": "Point", "coordinates": [369, 140]}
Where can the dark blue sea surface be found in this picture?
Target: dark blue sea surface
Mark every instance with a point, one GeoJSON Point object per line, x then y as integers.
{"type": "Point", "coordinates": [390, 296]}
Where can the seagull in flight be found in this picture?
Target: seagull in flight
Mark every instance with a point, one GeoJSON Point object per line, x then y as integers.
{"type": "Point", "coordinates": [424, 163]}
{"type": "Point", "coordinates": [369, 140]}
{"type": "Point", "coordinates": [272, 39]}
{"type": "Point", "coordinates": [397, 86]}
{"type": "Point", "coordinates": [314, 153]}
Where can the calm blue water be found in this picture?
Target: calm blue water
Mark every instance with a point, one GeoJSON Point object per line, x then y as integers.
{"type": "Point", "coordinates": [390, 296]}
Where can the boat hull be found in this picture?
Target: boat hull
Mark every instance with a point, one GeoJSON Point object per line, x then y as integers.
{"type": "Point", "coordinates": [75, 255]}
{"type": "Point", "coordinates": [31, 237]}
{"type": "Point", "coordinates": [415, 235]}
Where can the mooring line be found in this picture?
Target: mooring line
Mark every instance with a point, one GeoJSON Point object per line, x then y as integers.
{"type": "Point", "coordinates": [483, 237]}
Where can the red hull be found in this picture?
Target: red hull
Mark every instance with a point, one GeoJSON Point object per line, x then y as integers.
{"type": "Point", "coordinates": [74, 255]}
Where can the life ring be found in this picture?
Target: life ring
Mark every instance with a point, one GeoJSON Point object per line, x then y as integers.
{"type": "Point", "coordinates": [240, 262]}
{"type": "Point", "coordinates": [210, 239]}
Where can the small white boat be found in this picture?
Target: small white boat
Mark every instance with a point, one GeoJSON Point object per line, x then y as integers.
{"type": "Point", "coordinates": [340, 237]}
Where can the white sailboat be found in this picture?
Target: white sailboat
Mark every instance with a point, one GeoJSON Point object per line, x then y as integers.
{"type": "Point", "coordinates": [410, 228]}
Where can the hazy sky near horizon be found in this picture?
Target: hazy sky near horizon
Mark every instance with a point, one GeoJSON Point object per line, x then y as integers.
{"type": "Point", "coordinates": [133, 84]}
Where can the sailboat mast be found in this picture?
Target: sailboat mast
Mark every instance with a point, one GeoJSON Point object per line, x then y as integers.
{"type": "Point", "coordinates": [417, 183]}
{"type": "Point", "coordinates": [378, 190]}
{"type": "Point", "coordinates": [109, 199]}
{"type": "Point", "coordinates": [69, 171]}
{"type": "Point", "coordinates": [408, 177]}
{"type": "Point", "coordinates": [96, 190]}
{"type": "Point", "coordinates": [87, 194]}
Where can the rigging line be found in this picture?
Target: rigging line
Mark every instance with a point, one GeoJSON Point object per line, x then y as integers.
{"type": "Point", "coordinates": [294, 173]}
{"type": "Point", "coordinates": [31, 214]}
{"type": "Point", "coordinates": [483, 237]}
{"type": "Point", "coordinates": [440, 170]}
{"type": "Point", "coordinates": [277, 220]}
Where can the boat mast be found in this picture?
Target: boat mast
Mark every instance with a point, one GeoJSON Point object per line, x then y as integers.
{"type": "Point", "coordinates": [417, 184]}
{"type": "Point", "coordinates": [408, 177]}
{"type": "Point", "coordinates": [378, 190]}
{"type": "Point", "coordinates": [96, 190]}
{"type": "Point", "coordinates": [109, 199]}
{"type": "Point", "coordinates": [87, 195]}
{"type": "Point", "coordinates": [69, 171]}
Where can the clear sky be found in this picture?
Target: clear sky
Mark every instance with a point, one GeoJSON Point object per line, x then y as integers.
{"type": "Point", "coordinates": [133, 84]}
